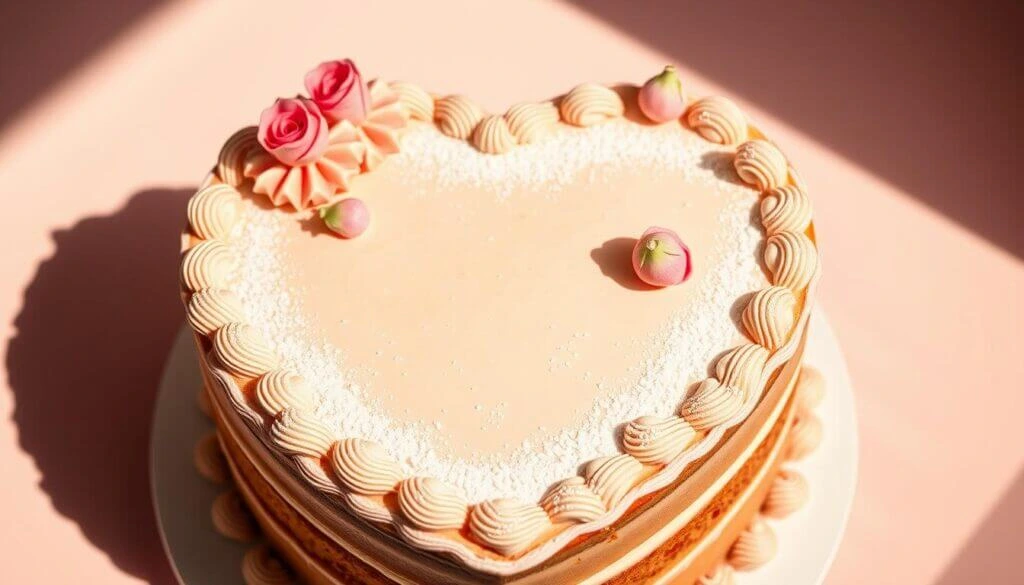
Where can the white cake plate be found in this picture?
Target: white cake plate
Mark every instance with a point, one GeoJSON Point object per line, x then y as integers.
{"type": "Point", "coordinates": [808, 540]}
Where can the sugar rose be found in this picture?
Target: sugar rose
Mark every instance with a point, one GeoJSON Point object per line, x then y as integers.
{"type": "Point", "coordinates": [339, 90]}
{"type": "Point", "coordinates": [294, 131]}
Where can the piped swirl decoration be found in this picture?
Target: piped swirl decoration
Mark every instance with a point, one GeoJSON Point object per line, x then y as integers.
{"type": "Point", "coordinates": [298, 433]}
{"type": "Point", "coordinates": [213, 211]}
{"type": "Point", "coordinates": [279, 390]}
{"type": "Point", "coordinates": [755, 546]}
{"type": "Point", "coordinates": [589, 103]}
{"type": "Point", "coordinates": [769, 316]}
{"type": "Point", "coordinates": [210, 309]}
{"type": "Point", "coordinates": [761, 164]}
{"type": "Point", "coordinates": [786, 209]}
{"type": "Point", "coordinates": [231, 160]}
{"type": "Point", "coordinates": [655, 440]}
{"type": "Point", "coordinates": [718, 120]}
{"type": "Point", "coordinates": [262, 566]}
{"type": "Point", "coordinates": [430, 504]}
{"type": "Point", "coordinates": [711, 404]}
{"type": "Point", "coordinates": [493, 136]}
{"type": "Point", "coordinates": [788, 493]}
{"type": "Point", "coordinates": [611, 477]}
{"type": "Point", "coordinates": [791, 258]}
{"type": "Point", "coordinates": [742, 368]}
{"type": "Point", "coordinates": [810, 388]}
{"type": "Point", "coordinates": [572, 500]}
{"type": "Point", "coordinates": [530, 122]}
{"type": "Point", "coordinates": [722, 574]}
{"type": "Point", "coordinates": [209, 459]}
{"type": "Point", "coordinates": [232, 518]}
{"type": "Point", "coordinates": [506, 525]}
{"type": "Point", "coordinates": [243, 351]}
{"type": "Point", "coordinates": [457, 116]}
{"type": "Point", "coordinates": [805, 437]}
{"type": "Point", "coordinates": [415, 100]}
{"type": "Point", "coordinates": [364, 467]}
{"type": "Point", "coordinates": [208, 264]}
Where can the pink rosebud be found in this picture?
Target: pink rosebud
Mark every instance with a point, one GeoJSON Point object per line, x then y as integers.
{"type": "Point", "coordinates": [348, 218]}
{"type": "Point", "coordinates": [661, 99]}
{"type": "Point", "coordinates": [294, 131]}
{"type": "Point", "coordinates": [660, 258]}
{"type": "Point", "coordinates": [338, 89]}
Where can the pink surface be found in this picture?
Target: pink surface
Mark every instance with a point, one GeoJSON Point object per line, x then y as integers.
{"type": "Point", "coordinates": [900, 120]}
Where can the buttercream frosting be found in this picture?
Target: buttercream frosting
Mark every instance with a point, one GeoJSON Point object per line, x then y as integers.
{"type": "Point", "coordinates": [456, 116]}
{"type": "Point", "coordinates": [611, 477]}
{"type": "Point", "coordinates": [769, 316]}
{"type": "Point", "coordinates": [806, 436]}
{"type": "Point", "coordinates": [742, 368]}
{"type": "Point", "coordinates": [231, 160]}
{"type": "Point", "coordinates": [722, 574]}
{"type": "Point", "coordinates": [786, 209]}
{"type": "Point", "coordinates": [711, 404]}
{"type": "Point", "coordinates": [232, 518]}
{"type": "Point", "coordinates": [572, 500]}
{"type": "Point", "coordinates": [717, 119]}
{"type": "Point", "coordinates": [415, 100]}
{"type": "Point", "coordinates": [791, 258]}
{"type": "Point", "coordinates": [506, 525]}
{"type": "Point", "coordinates": [262, 566]}
{"type": "Point", "coordinates": [761, 164]}
{"type": "Point", "coordinates": [298, 433]}
{"type": "Point", "coordinates": [243, 350]}
{"type": "Point", "coordinates": [364, 467]}
{"type": "Point", "coordinates": [492, 135]}
{"type": "Point", "coordinates": [657, 440]}
{"type": "Point", "coordinates": [810, 388]}
{"type": "Point", "coordinates": [755, 546]}
{"type": "Point", "coordinates": [213, 210]}
{"type": "Point", "coordinates": [278, 390]}
{"type": "Point", "coordinates": [209, 459]}
{"type": "Point", "coordinates": [788, 493]}
{"type": "Point", "coordinates": [531, 121]}
{"type": "Point", "coordinates": [430, 504]}
{"type": "Point", "coordinates": [210, 309]}
{"type": "Point", "coordinates": [208, 264]}
{"type": "Point", "coordinates": [590, 103]}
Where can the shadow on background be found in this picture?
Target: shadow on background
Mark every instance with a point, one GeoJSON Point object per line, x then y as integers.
{"type": "Point", "coordinates": [43, 41]}
{"type": "Point", "coordinates": [84, 364]}
{"type": "Point", "coordinates": [922, 94]}
{"type": "Point", "coordinates": [992, 555]}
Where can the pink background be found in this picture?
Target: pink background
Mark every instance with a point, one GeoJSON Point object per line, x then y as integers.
{"type": "Point", "coordinates": [904, 120]}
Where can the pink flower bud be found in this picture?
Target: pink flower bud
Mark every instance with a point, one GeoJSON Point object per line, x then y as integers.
{"type": "Point", "coordinates": [660, 258]}
{"type": "Point", "coordinates": [348, 218]}
{"type": "Point", "coordinates": [661, 99]}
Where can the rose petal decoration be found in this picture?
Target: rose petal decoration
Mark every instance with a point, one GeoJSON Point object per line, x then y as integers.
{"type": "Point", "coordinates": [338, 89]}
{"type": "Point", "coordinates": [661, 98]}
{"type": "Point", "coordinates": [348, 218]}
{"type": "Point", "coordinates": [294, 131]}
{"type": "Point", "coordinates": [660, 258]}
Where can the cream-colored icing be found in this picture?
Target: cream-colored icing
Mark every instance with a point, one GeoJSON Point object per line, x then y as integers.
{"type": "Point", "coordinates": [213, 211]}
{"type": "Point", "coordinates": [210, 309]}
{"type": "Point", "coordinates": [788, 493]}
{"type": "Point", "coordinates": [786, 209]}
{"type": "Point", "coordinates": [755, 546]}
{"type": "Point", "coordinates": [530, 122]}
{"type": "Point", "coordinates": [717, 119]}
{"type": "Point", "coordinates": [572, 500]}
{"type": "Point", "coordinates": [209, 459]}
{"type": "Point", "coordinates": [493, 136]}
{"type": "Point", "coordinates": [711, 404]}
{"type": "Point", "coordinates": [770, 315]}
{"type": "Point", "coordinates": [611, 477]}
{"type": "Point", "coordinates": [232, 519]}
{"type": "Point", "coordinates": [279, 390]}
{"type": "Point", "coordinates": [743, 368]}
{"type": "Point", "coordinates": [415, 100]}
{"type": "Point", "coordinates": [806, 436]}
{"type": "Point", "coordinates": [791, 258]}
{"type": "Point", "coordinates": [810, 388]}
{"type": "Point", "coordinates": [430, 504]}
{"type": "Point", "coordinates": [722, 574]}
{"type": "Point", "coordinates": [262, 566]}
{"type": "Point", "coordinates": [243, 350]}
{"type": "Point", "coordinates": [364, 467]}
{"type": "Point", "coordinates": [457, 116]}
{"type": "Point", "coordinates": [590, 103]}
{"type": "Point", "coordinates": [506, 525]}
{"type": "Point", "coordinates": [299, 433]}
{"type": "Point", "coordinates": [208, 264]}
{"type": "Point", "coordinates": [231, 160]}
{"type": "Point", "coordinates": [761, 164]}
{"type": "Point", "coordinates": [657, 440]}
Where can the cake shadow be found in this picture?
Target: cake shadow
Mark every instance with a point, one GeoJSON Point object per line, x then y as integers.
{"type": "Point", "coordinates": [614, 258]}
{"type": "Point", "coordinates": [84, 365]}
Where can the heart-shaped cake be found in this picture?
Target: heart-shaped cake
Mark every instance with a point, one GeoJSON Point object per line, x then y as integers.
{"type": "Point", "coordinates": [557, 344]}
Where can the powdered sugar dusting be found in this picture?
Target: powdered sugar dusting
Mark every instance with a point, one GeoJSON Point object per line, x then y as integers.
{"type": "Point", "coordinates": [679, 353]}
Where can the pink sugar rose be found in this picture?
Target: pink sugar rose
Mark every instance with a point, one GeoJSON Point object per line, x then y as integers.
{"type": "Point", "coordinates": [339, 90]}
{"type": "Point", "coordinates": [294, 131]}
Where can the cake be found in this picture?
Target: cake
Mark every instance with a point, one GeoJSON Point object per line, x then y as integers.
{"type": "Point", "coordinates": [444, 345]}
